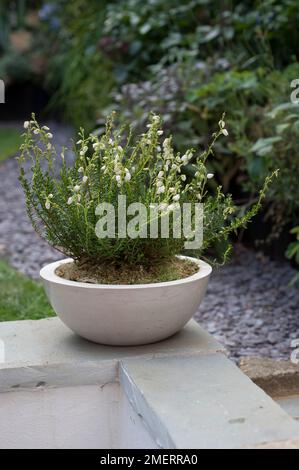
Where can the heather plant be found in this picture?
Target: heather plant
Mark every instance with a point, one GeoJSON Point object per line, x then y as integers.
{"type": "Point", "coordinates": [63, 199]}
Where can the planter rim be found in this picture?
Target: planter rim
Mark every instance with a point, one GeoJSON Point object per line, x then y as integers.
{"type": "Point", "coordinates": [47, 273]}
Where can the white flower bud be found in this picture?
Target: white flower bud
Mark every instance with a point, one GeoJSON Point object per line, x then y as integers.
{"type": "Point", "coordinates": [47, 205]}
{"type": "Point", "coordinates": [176, 197]}
{"type": "Point", "coordinates": [26, 124]}
{"type": "Point", "coordinates": [224, 132]}
{"type": "Point", "coordinates": [210, 176]}
{"type": "Point", "coordinates": [77, 188]}
{"type": "Point", "coordinates": [49, 135]}
{"type": "Point", "coordinates": [161, 190]}
{"type": "Point", "coordinates": [69, 201]}
{"type": "Point", "coordinates": [128, 176]}
{"type": "Point", "coordinates": [84, 179]}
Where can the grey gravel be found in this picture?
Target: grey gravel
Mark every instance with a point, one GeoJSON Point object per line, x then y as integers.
{"type": "Point", "coordinates": [248, 307]}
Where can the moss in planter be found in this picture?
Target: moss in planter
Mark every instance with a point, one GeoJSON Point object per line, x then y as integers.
{"type": "Point", "coordinates": [169, 270]}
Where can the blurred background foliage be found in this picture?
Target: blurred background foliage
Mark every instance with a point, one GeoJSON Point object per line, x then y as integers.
{"type": "Point", "coordinates": [189, 60]}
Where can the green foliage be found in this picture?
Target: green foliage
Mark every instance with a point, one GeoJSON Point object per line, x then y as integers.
{"type": "Point", "coordinates": [79, 71]}
{"type": "Point", "coordinates": [146, 170]}
{"type": "Point", "coordinates": [21, 41]}
{"type": "Point", "coordinates": [293, 252]}
{"type": "Point", "coordinates": [9, 143]}
{"type": "Point", "coordinates": [20, 297]}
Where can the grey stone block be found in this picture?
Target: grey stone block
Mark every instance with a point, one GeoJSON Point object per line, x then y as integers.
{"type": "Point", "coordinates": [47, 351]}
{"type": "Point", "coordinates": [203, 402]}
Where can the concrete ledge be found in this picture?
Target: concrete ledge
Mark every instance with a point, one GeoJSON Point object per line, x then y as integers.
{"type": "Point", "coordinates": [47, 352]}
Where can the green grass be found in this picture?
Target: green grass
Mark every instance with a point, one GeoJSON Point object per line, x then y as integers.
{"type": "Point", "coordinates": [10, 141]}
{"type": "Point", "coordinates": [20, 297]}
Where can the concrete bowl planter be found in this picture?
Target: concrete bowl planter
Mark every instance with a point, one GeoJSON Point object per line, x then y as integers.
{"type": "Point", "coordinates": [125, 315]}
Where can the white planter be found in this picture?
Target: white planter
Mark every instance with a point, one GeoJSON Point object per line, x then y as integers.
{"type": "Point", "coordinates": [125, 315]}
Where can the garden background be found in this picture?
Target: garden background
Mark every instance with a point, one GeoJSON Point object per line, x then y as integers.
{"type": "Point", "coordinates": [72, 63]}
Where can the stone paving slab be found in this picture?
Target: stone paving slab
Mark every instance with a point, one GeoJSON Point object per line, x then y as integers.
{"type": "Point", "coordinates": [47, 351]}
{"type": "Point", "coordinates": [203, 402]}
{"type": "Point", "coordinates": [277, 378]}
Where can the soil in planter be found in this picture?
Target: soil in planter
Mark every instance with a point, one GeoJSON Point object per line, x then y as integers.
{"type": "Point", "coordinates": [124, 274]}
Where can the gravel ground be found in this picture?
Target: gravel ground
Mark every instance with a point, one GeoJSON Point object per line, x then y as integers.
{"type": "Point", "coordinates": [248, 306]}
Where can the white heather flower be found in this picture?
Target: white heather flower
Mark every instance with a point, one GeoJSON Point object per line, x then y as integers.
{"type": "Point", "coordinates": [110, 141]}
{"type": "Point", "coordinates": [172, 190]}
{"type": "Point", "coordinates": [78, 198]}
{"type": "Point", "coordinates": [96, 146]}
{"type": "Point", "coordinates": [26, 124]}
{"type": "Point", "coordinates": [81, 169]}
{"type": "Point", "coordinates": [183, 177]}
{"type": "Point", "coordinates": [118, 178]}
{"type": "Point", "coordinates": [158, 148]}
{"type": "Point", "coordinates": [70, 200]}
{"type": "Point", "coordinates": [159, 184]}
{"type": "Point", "coordinates": [174, 166]}
{"type": "Point", "coordinates": [197, 174]}
{"type": "Point", "coordinates": [84, 179]}
{"type": "Point", "coordinates": [163, 206]}
{"type": "Point", "coordinates": [77, 188]}
{"type": "Point", "coordinates": [128, 176]}
{"type": "Point", "coordinates": [160, 132]}
{"type": "Point", "coordinates": [47, 205]}
{"type": "Point", "coordinates": [210, 176]}
{"type": "Point", "coordinates": [224, 132]}
{"type": "Point", "coordinates": [160, 174]}
{"type": "Point", "coordinates": [161, 190]}
{"type": "Point", "coordinates": [221, 124]}
{"type": "Point", "coordinates": [176, 197]}
{"type": "Point", "coordinates": [46, 128]}
{"type": "Point", "coordinates": [184, 158]}
{"type": "Point", "coordinates": [79, 142]}
{"type": "Point", "coordinates": [36, 131]}
{"type": "Point", "coordinates": [50, 196]}
{"type": "Point", "coordinates": [49, 146]}
{"type": "Point", "coordinates": [49, 135]}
